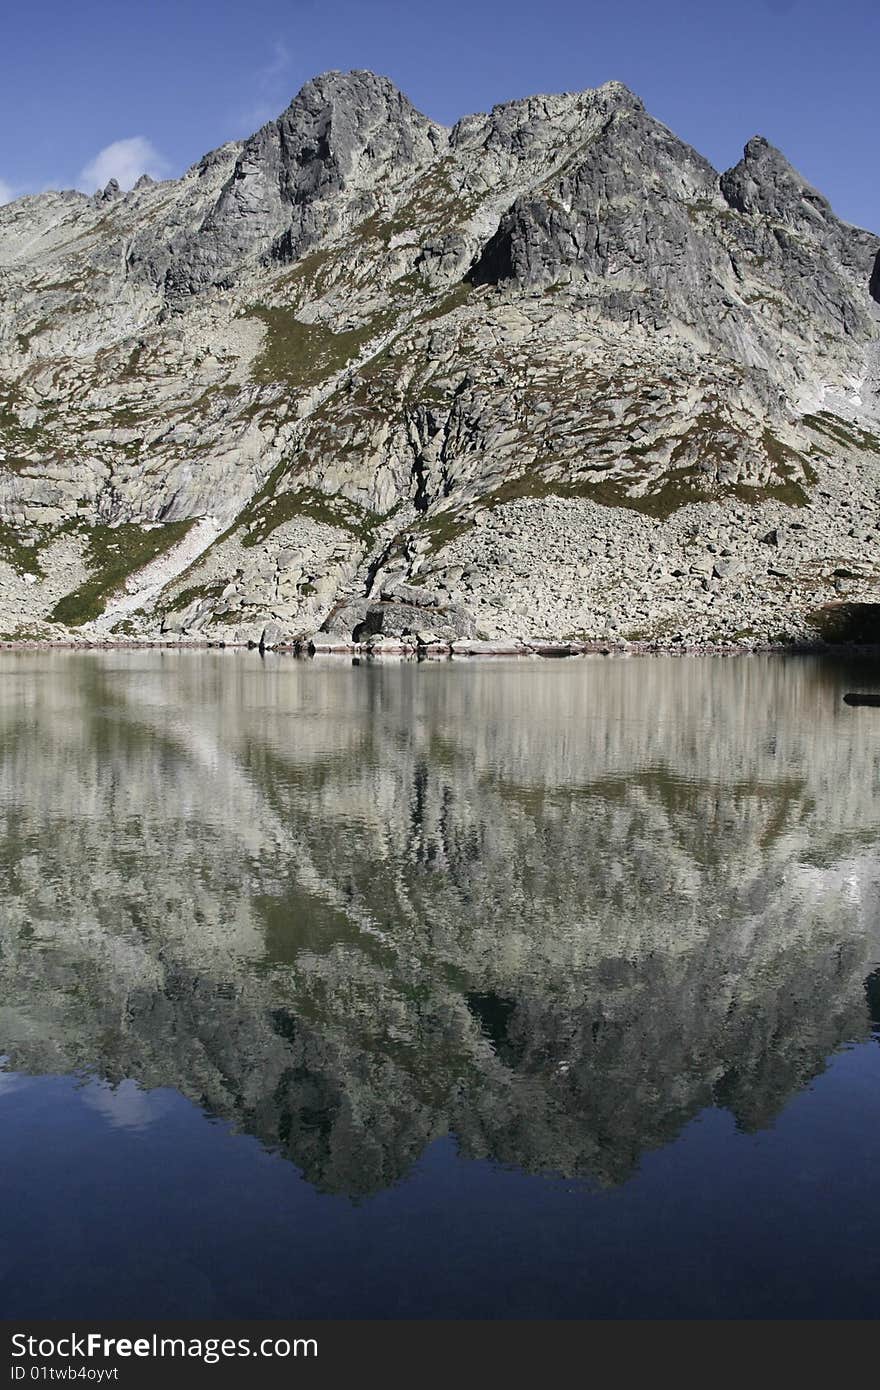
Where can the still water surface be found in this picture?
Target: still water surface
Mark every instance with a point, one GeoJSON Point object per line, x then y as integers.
{"type": "Point", "coordinates": [462, 990]}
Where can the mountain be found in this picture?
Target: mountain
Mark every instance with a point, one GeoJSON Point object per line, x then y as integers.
{"type": "Point", "coordinates": [543, 375]}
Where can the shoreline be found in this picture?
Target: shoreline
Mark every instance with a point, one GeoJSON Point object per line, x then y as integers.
{"type": "Point", "coordinates": [320, 645]}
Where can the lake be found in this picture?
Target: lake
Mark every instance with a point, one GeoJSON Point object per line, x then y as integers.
{"type": "Point", "coordinates": [489, 989]}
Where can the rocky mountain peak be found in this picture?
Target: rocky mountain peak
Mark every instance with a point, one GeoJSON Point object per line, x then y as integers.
{"type": "Point", "coordinates": [299, 178]}
{"type": "Point", "coordinates": [616, 90]}
{"type": "Point", "coordinates": [109, 193]}
{"type": "Point", "coordinates": [357, 373]}
{"type": "Point", "coordinates": [349, 89]}
{"type": "Point", "coordinates": [343, 129]}
{"type": "Point", "coordinates": [765, 182]}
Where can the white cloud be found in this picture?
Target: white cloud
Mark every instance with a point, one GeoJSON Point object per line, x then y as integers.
{"type": "Point", "coordinates": [9, 1081]}
{"type": "Point", "coordinates": [270, 92]}
{"type": "Point", "coordinates": [7, 192]}
{"type": "Point", "coordinates": [254, 117]}
{"type": "Point", "coordinates": [279, 63]}
{"type": "Point", "coordinates": [126, 1105]}
{"type": "Point", "coordinates": [125, 161]}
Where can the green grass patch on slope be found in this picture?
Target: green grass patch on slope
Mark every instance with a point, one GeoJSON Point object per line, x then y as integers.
{"type": "Point", "coordinates": [24, 559]}
{"type": "Point", "coordinates": [453, 300]}
{"type": "Point", "coordinates": [273, 511]}
{"type": "Point", "coordinates": [310, 273]}
{"type": "Point", "coordinates": [113, 553]}
{"type": "Point", "coordinates": [843, 432]}
{"type": "Point", "coordinates": [677, 487]}
{"type": "Point", "coordinates": [185, 597]}
{"type": "Point", "coordinates": [305, 354]}
{"type": "Point", "coordinates": [17, 441]}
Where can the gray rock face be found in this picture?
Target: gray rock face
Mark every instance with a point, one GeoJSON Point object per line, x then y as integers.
{"type": "Point", "coordinates": [620, 210]}
{"type": "Point", "coordinates": [109, 193]}
{"type": "Point", "coordinates": [765, 182]}
{"type": "Point", "coordinates": [399, 618]}
{"type": "Point", "coordinates": [640, 219]}
{"type": "Point", "coordinates": [548, 366]}
{"type": "Point", "coordinates": [298, 179]}
{"type": "Point", "coordinates": [765, 186]}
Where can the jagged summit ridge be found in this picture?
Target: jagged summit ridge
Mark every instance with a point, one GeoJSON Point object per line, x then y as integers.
{"type": "Point", "coordinates": [295, 179]}
{"type": "Point", "coordinates": [765, 182]}
{"type": "Point", "coordinates": [373, 344]}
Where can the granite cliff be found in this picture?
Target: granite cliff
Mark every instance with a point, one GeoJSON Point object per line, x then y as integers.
{"type": "Point", "coordinates": [544, 375]}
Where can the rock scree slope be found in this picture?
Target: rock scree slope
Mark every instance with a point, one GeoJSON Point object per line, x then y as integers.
{"type": "Point", "coordinates": [361, 378]}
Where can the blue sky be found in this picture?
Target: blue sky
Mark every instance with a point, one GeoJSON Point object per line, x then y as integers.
{"type": "Point", "coordinates": [182, 76]}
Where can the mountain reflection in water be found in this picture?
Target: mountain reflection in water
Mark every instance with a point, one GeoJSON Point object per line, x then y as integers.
{"type": "Point", "coordinates": [556, 911]}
